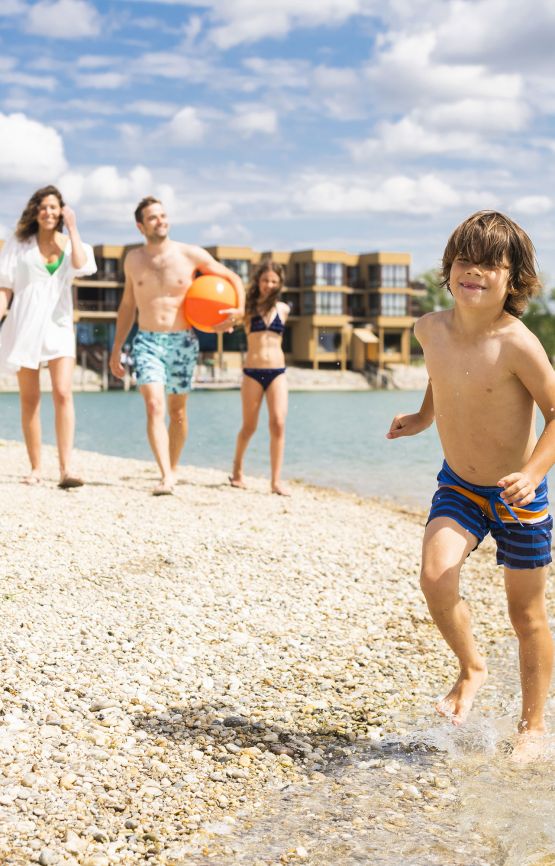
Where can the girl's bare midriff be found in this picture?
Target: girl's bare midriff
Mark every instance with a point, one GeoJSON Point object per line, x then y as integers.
{"type": "Point", "coordinates": [264, 347]}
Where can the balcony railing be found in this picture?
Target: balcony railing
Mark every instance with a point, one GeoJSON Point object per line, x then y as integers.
{"type": "Point", "coordinates": [98, 306]}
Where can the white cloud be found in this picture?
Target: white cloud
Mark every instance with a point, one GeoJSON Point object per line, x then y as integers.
{"type": "Point", "coordinates": [250, 20]}
{"type": "Point", "coordinates": [499, 31]}
{"type": "Point", "coordinates": [149, 108]}
{"type": "Point", "coordinates": [94, 61]}
{"type": "Point", "coordinates": [426, 194]}
{"type": "Point", "coordinates": [30, 151]}
{"type": "Point", "coordinates": [102, 80]}
{"type": "Point", "coordinates": [405, 74]}
{"type": "Point", "coordinates": [30, 82]}
{"type": "Point", "coordinates": [11, 7]}
{"type": "Point", "coordinates": [408, 138]}
{"type": "Point", "coordinates": [340, 91]}
{"type": "Point", "coordinates": [63, 19]}
{"type": "Point", "coordinates": [234, 233]}
{"type": "Point", "coordinates": [187, 127]}
{"type": "Point", "coordinates": [254, 120]}
{"type": "Point", "coordinates": [106, 196]}
{"type": "Point", "coordinates": [533, 204]}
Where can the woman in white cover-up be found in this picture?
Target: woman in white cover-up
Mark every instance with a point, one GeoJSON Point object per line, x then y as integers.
{"type": "Point", "coordinates": [37, 268]}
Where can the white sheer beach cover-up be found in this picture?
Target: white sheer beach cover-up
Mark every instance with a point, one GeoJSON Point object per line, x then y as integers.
{"type": "Point", "coordinates": [39, 325]}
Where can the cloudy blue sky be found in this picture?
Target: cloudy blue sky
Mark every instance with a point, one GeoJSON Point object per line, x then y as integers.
{"type": "Point", "coordinates": [280, 124]}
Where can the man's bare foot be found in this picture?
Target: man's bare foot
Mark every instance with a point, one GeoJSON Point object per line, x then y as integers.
{"type": "Point", "coordinates": [529, 746]}
{"type": "Point", "coordinates": [237, 481]}
{"type": "Point", "coordinates": [165, 488]}
{"type": "Point", "coordinates": [66, 482]}
{"type": "Point", "coordinates": [32, 478]}
{"type": "Point", "coordinates": [280, 489]}
{"type": "Point", "coordinates": [457, 704]}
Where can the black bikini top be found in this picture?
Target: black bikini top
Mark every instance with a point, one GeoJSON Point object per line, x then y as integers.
{"type": "Point", "coordinates": [257, 323]}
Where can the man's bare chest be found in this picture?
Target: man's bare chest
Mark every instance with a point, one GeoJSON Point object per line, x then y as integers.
{"type": "Point", "coordinates": [163, 276]}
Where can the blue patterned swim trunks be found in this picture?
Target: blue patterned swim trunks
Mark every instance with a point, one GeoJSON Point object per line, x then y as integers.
{"type": "Point", "coordinates": [168, 357]}
{"type": "Point", "coordinates": [522, 533]}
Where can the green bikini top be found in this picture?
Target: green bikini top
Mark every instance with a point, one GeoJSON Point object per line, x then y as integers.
{"type": "Point", "coordinates": [52, 267]}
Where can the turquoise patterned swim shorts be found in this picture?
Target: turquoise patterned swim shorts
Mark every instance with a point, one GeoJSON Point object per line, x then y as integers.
{"type": "Point", "coordinates": [168, 357]}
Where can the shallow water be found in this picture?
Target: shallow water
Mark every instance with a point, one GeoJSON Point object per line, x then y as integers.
{"type": "Point", "coordinates": [429, 795]}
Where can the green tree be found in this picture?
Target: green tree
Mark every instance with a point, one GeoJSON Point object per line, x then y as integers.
{"type": "Point", "coordinates": [541, 321]}
{"type": "Point", "coordinates": [437, 296]}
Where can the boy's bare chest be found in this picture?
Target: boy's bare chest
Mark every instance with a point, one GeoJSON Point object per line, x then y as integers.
{"type": "Point", "coordinates": [478, 369]}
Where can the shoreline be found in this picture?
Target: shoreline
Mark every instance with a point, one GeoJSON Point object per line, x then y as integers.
{"type": "Point", "coordinates": [171, 663]}
{"type": "Point", "coordinates": [396, 377]}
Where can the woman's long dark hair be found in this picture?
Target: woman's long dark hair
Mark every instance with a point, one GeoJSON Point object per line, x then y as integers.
{"type": "Point", "coordinates": [27, 225]}
{"type": "Point", "coordinates": [253, 303]}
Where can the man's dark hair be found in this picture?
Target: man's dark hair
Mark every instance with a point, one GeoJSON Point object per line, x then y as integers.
{"type": "Point", "coordinates": [144, 202]}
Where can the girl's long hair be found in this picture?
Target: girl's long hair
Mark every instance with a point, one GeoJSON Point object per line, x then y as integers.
{"type": "Point", "coordinates": [253, 302]}
{"type": "Point", "coordinates": [27, 225]}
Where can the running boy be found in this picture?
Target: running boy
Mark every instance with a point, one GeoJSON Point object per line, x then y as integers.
{"type": "Point", "coordinates": [487, 371]}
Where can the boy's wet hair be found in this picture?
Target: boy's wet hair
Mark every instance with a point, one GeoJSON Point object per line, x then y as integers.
{"type": "Point", "coordinates": [491, 238]}
{"type": "Point", "coordinates": [253, 291]}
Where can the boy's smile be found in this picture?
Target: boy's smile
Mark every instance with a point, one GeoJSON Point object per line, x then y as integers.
{"type": "Point", "coordinates": [469, 281]}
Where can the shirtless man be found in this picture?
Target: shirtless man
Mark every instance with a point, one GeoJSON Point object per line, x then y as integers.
{"type": "Point", "coordinates": [487, 374]}
{"type": "Point", "coordinates": [165, 350]}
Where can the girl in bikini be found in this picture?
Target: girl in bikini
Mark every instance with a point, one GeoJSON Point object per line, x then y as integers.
{"type": "Point", "coordinates": [37, 268]}
{"type": "Point", "coordinates": [264, 370]}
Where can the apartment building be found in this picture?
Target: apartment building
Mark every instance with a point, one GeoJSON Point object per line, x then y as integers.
{"type": "Point", "coordinates": [347, 309]}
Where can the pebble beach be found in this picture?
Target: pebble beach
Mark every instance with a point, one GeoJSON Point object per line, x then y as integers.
{"type": "Point", "coordinates": [170, 665]}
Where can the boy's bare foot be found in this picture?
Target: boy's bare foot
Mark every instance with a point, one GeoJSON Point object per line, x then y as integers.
{"type": "Point", "coordinates": [237, 481]}
{"type": "Point", "coordinates": [457, 704]}
{"type": "Point", "coordinates": [32, 478]}
{"type": "Point", "coordinates": [280, 490]}
{"type": "Point", "coordinates": [66, 482]}
{"type": "Point", "coordinates": [529, 746]}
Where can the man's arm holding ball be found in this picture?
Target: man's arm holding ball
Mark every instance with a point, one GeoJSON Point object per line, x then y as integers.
{"type": "Point", "coordinates": [207, 264]}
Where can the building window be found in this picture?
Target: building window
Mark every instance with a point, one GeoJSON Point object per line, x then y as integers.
{"type": "Point", "coordinates": [392, 343]}
{"type": "Point", "coordinates": [293, 300]}
{"type": "Point", "coordinates": [328, 340]}
{"type": "Point", "coordinates": [329, 303]}
{"type": "Point", "coordinates": [394, 305]}
{"type": "Point", "coordinates": [308, 303]}
{"type": "Point", "coordinates": [287, 342]}
{"type": "Point", "coordinates": [353, 277]}
{"type": "Point", "coordinates": [308, 274]}
{"type": "Point", "coordinates": [388, 276]}
{"type": "Point", "coordinates": [110, 269]}
{"type": "Point", "coordinates": [355, 305]}
{"type": "Point", "coordinates": [329, 274]}
{"type": "Point", "coordinates": [241, 267]}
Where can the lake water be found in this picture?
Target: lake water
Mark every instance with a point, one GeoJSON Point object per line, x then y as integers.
{"type": "Point", "coordinates": [334, 439]}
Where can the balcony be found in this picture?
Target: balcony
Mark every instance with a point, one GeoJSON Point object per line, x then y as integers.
{"type": "Point", "coordinates": [97, 306]}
